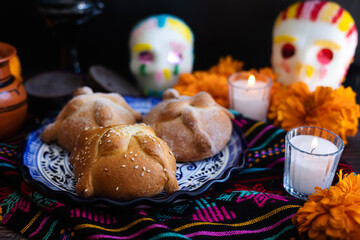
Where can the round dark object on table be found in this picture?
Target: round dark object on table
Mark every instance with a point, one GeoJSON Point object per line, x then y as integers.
{"type": "Point", "coordinates": [105, 80]}
{"type": "Point", "coordinates": [51, 90]}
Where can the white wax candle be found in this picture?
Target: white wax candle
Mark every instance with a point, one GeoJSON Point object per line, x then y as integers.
{"type": "Point", "coordinates": [249, 99]}
{"type": "Point", "coordinates": [309, 170]}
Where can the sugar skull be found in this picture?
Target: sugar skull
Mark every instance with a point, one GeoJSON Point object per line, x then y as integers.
{"type": "Point", "coordinates": [313, 42]}
{"type": "Point", "coordinates": [161, 49]}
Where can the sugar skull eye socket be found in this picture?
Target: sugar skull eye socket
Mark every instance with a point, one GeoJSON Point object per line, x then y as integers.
{"type": "Point", "coordinates": [288, 50]}
{"type": "Point", "coordinates": [174, 57]}
{"type": "Point", "coordinates": [145, 57]}
{"type": "Point", "coordinates": [325, 56]}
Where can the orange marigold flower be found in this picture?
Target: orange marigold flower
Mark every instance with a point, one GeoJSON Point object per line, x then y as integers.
{"type": "Point", "coordinates": [266, 71]}
{"type": "Point", "coordinates": [215, 84]}
{"type": "Point", "coordinates": [227, 66]}
{"type": "Point", "coordinates": [332, 213]}
{"type": "Point", "coordinates": [294, 105]}
{"type": "Point", "coordinates": [213, 81]}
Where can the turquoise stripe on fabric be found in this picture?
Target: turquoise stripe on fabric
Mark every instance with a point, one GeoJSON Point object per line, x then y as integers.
{"type": "Point", "coordinates": [279, 233]}
{"type": "Point", "coordinates": [7, 165]}
{"type": "Point", "coordinates": [200, 204]}
{"type": "Point", "coordinates": [8, 145]}
{"type": "Point", "coordinates": [51, 229]}
{"type": "Point", "coordinates": [251, 170]}
{"type": "Point", "coordinates": [166, 235]}
{"type": "Point", "coordinates": [234, 112]}
{"type": "Point", "coordinates": [207, 205]}
{"type": "Point", "coordinates": [267, 141]}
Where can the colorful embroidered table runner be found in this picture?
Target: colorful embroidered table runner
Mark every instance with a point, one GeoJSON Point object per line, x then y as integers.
{"type": "Point", "coordinates": [252, 204]}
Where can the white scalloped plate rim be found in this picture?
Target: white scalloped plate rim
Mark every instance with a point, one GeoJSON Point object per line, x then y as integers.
{"type": "Point", "coordinates": [47, 166]}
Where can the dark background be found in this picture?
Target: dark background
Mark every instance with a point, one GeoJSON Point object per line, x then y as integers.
{"type": "Point", "coordinates": [240, 28]}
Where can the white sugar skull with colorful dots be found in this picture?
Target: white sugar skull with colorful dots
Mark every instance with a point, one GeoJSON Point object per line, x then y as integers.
{"type": "Point", "coordinates": [161, 49]}
{"type": "Point", "coordinates": [313, 42]}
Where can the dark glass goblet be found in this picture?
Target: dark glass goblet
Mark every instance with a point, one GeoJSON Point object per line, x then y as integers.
{"type": "Point", "coordinates": [65, 17]}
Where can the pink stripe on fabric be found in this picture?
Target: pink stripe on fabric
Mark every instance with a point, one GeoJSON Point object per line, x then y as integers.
{"type": "Point", "coordinates": [6, 160]}
{"type": "Point", "coordinates": [238, 232]}
{"type": "Point", "coordinates": [227, 216]}
{"type": "Point", "coordinates": [201, 217]}
{"type": "Point", "coordinates": [213, 215]}
{"type": "Point", "coordinates": [40, 226]}
{"type": "Point", "coordinates": [260, 134]}
{"type": "Point", "coordinates": [108, 219]}
{"type": "Point", "coordinates": [275, 162]}
{"type": "Point", "coordinates": [218, 213]}
{"type": "Point", "coordinates": [127, 237]}
{"type": "Point", "coordinates": [89, 215]}
{"type": "Point", "coordinates": [101, 218]}
{"type": "Point", "coordinates": [233, 215]}
{"type": "Point", "coordinates": [95, 216]}
{"type": "Point", "coordinates": [207, 216]}
{"type": "Point", "coordinates": [77, 212]}
{"type": "Point", "coordinates": [238, 123]}
{"type": "Point", "coordinates": [84, 213]}
{"type": "Point", "coordinates": [195, 217]}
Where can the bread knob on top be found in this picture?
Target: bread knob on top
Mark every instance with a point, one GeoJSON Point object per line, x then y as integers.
{"type": "Point", "coordinates": [87, 110]}
{"type": "Point", "coordinates": [194, 127]}
{"type": "Point", "coordinates": [123, 162]}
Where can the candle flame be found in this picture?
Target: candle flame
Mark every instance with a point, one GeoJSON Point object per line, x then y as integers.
{"type": "Point", "coordinates": [251, 80]}
{"type": "Point", "coordinates": [314, 143]}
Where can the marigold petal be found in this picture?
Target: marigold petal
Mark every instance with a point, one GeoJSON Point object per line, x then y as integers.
{"type": "Point", "coordinates": [320, 222]}
{"type": "Point", "coordinates": [313, 234]}
{"type": "Point", "coordinates": [354, 213]}
{"type": "Point", "coordinates": [333, 233]}
{"type": "Point", "coordinates": [335, 110]}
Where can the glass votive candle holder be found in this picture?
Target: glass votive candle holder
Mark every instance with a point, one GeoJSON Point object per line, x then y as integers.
{"type": "Point", "coordinates": [249, 94]}
{"type": "Point", "coordinates": [311, 158]}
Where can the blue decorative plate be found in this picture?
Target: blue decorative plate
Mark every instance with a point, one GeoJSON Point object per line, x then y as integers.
{"type": "Point", "coordinates": [47, 165]}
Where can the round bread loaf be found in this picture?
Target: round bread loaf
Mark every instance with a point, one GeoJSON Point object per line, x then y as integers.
{"type": "Point", "coordinates": [123, 162]}
{"type": "Point", "coordinates": [86, 110]}
{"type": "Point", "coordinates": [194, 127]}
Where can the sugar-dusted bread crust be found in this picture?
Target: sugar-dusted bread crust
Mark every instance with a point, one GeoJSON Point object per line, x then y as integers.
{"type": "Point", "coordinates": [87, 110]}
{"type": "Point", "coordinates": [194, 127]}
{"type": "Point", "coordinates": [123, 162]}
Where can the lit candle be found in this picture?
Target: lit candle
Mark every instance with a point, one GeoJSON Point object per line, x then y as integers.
{"type": "Point", "coordinates": [249, 96]}
{"type": "Point", "coordinates": [310, 160]}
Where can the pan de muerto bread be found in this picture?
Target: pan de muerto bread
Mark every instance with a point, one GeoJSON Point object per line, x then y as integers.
{"type": "Point", "coordinates": [123, 162]}
{"type": "Point", "coordinates": [87, 110]}
{"type": "Point", "coordinates": [194, 127]}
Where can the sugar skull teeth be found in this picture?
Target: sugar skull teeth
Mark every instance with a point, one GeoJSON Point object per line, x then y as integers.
{"type": "Point", "coordinates": [313, 42]}
{"type": "Point", "coordinates": [161, 48]}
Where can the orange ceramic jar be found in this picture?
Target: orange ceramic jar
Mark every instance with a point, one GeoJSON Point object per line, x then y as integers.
{"type": "Point", "coordinates": [13, 99]}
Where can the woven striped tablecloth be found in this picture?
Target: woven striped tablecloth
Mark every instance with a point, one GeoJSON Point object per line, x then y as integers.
{"type": "Point", "coordinates": [252, 204]}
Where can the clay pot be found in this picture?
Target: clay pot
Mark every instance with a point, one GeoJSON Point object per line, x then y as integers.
{"type": "Point", "coordinates": [13, 99]}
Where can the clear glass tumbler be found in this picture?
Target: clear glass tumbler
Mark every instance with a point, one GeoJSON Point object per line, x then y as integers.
{"type": "Point", "coordinates": [311, 158]}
